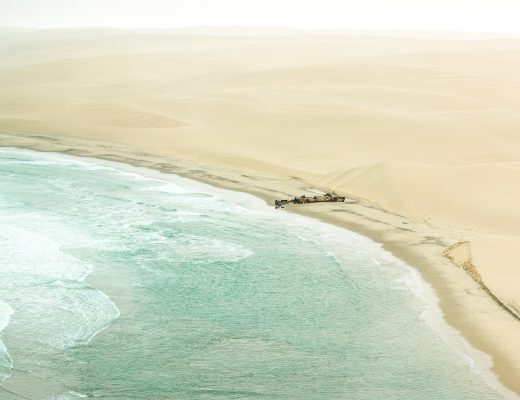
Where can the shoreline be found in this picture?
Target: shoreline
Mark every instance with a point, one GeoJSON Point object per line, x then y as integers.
{"type": "Point", "coordinates": [3, 323]}
{"type": "Point", "coordinates": [464, 304]}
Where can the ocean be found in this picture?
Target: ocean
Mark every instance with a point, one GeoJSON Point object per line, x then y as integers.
{"type": "Point", "coordinates": [120, 282]}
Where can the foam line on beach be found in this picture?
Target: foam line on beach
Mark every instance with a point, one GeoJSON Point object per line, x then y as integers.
{"type": "Point", "coordinates": [5, 359]}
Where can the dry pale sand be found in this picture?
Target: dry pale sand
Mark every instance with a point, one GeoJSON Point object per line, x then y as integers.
{"type": "Point", "coordinates": [421, 131]}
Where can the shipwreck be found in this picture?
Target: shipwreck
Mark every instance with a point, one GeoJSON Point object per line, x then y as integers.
{"type": "Point", "coordinates": [331, 197]}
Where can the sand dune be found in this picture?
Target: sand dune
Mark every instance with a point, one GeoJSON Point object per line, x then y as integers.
{"type": "Point", "coordinates": [426, 127]}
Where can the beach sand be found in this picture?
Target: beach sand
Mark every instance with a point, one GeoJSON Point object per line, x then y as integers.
{"type": "Point", "coordinates": [420, 132]}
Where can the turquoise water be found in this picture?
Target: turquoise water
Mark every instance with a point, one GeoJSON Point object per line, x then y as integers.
{"type": "Point", "coordinates": [122, 283]}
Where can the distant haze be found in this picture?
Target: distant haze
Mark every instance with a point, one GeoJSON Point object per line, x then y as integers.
{"type": "Point", "coordinates": [418, 15]}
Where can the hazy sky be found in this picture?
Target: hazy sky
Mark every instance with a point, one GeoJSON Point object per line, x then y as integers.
{"type": "Point", "coordinates": [461, 15]}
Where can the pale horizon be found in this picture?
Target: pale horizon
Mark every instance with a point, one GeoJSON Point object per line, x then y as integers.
{"type": "Point", "coordinates": [280, 28]}
{"type": "Point", "coordinates": [371, 15]}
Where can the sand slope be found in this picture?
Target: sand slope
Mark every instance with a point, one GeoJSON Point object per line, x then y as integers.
{"type": "Point", "coordinates": [425, 127]}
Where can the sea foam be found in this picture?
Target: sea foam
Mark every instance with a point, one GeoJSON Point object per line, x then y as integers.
{"type": "Point", "coordinates": [5, 360]}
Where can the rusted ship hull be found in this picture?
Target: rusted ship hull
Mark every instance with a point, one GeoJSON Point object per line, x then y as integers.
{"type": "Point", "coordinates": [326, 198]}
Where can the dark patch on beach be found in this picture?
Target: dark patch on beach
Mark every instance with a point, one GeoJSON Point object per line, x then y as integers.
{"type": "Point", "coordinates": [361, 216]}
{"type": "Point", "coordinates": [431, 240]}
